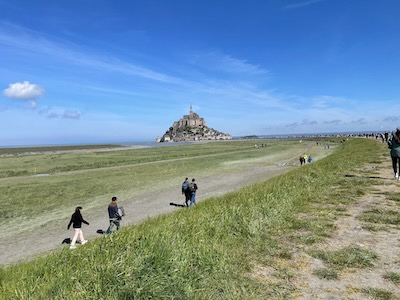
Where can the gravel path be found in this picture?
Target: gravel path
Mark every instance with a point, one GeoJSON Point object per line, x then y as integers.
{"type": "Point", "coordinates": [25, 246]}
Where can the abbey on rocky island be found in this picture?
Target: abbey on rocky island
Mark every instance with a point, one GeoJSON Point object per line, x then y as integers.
{"type": "Point", "coordinates": [192, 128]}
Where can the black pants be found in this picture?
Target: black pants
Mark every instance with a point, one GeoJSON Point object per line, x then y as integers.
{"type": "Point", "coordinates": [395, 164]}
{"type": "Point", "coordinates": [187, 197]}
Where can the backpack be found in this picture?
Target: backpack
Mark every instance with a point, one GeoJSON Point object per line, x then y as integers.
{"type": "Point", "coordinates": [192, 187]}
{"type": "Point", "coordinates": [121, 211]}
{"type": "Point", "coordinates": [185, 185]}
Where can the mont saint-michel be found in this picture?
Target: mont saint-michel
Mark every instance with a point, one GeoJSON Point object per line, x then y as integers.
{"type": "Point", "coordinates": [192, 128]}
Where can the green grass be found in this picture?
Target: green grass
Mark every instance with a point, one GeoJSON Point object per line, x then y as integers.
{"type": "Point", "coordinates": [327, 274]}
{"type": "Point", "coordinates": [378, 294]}
{"type": "Point", "coordinates": [393, 196]}
{"type": "Point", "coordinates": [208, 252]}
{"type": "Point", "coordinates": [381, 216]}
{"type": "Point", "coordinates": [43, 162]}
{"type": "Point", "coordinates": [99, 175]}
{"type": "Point", "coordinates": [349, 257]}
{"type": "Point", "coordinates": [393, 277]}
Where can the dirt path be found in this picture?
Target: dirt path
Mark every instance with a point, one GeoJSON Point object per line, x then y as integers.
{"type": "Point", "coordinates": [24, 246]}
{"type": "Point", "coordinates": [380, 238]}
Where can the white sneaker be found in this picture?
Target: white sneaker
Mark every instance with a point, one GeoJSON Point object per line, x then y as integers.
{"type": "Point", "coordinates": [396, 176]}
{"type": "Point", "coordinates": [84, 242]}
{"type": "Point", "coordinates": [72, 247]}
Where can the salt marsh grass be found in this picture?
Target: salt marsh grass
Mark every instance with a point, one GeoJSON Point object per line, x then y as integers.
{"type": "Point", "coordinates": [84, 177]}
{"type": "Point", "coordinates": [206, 252]}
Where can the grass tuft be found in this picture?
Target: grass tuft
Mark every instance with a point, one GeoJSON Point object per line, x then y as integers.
{"type": "Point", "coordinates": [393, 277]}
{"type": "Point", "coordinates": [378, 294]}
{"type": "Point", "coordinates": [325, 273]}
{"type": "Point", "coordinates": [349, 257]}
{"type": "Point", "coordinates": [381, 216]}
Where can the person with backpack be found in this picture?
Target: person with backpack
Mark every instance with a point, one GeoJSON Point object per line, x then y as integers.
{"type": "Point", "coordinates": [193, 189]}
{"type": "Point", "coordinates": [186, 191]}
{"type": "Point", "coordinates": [77, 220]}
{"type": "Point", "coordinates": [113, 215]}
{"type": "Point", "coordinates": [394, 146]}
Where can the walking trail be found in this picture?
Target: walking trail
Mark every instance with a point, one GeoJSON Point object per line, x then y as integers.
{"type": "Point", "coordinates": [28, 244]}
{"type": "Point", "coordinates": [382, 238]}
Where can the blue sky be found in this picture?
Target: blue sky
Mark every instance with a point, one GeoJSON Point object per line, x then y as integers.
{"type": "Point", "coordinates": [96, 71]}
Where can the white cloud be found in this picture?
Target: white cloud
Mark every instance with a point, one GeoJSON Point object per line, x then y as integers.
{"type": "Point", "coordinates": [391, 119]}
{"type": "Point", "coordinates": [226, 63]}
{"type": "Point", "coordinates": [308, 123]}
{"type": "Point", "coordinates": [301, 4]}
{"type": "Point", "coordinates": [231, 64]}
{"type": "Point", "coordinates": [52, 115]}
{"type": "Point", "coordinates": [72, 114]}
{"type": "Point", "coordinates": [333, 122]}
{"type": "Point", "coordinates": [23, 39]}
{"type": "Point", "coordinates": [24, 91]}
{"type": "Point", "coordinates": [359, 121]}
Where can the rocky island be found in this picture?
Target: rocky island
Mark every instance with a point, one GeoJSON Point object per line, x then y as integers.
{"type": "Point", "coordinates": [192, 128]}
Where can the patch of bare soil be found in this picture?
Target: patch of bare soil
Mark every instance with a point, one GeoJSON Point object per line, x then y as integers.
{"type": "Point", "coordinates": [351, 231]}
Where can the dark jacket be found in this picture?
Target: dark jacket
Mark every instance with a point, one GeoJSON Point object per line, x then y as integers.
{"type": "Point", "coordinates": [193, 187]}
{"type": "Point", "coordinates": [185, 187]}
{"type": "Point", "coordinates": [77, 220]}
{"type": "Point", "coordinates": [113, 210]}
{"type": "Point", "coordinates": [394, 146]}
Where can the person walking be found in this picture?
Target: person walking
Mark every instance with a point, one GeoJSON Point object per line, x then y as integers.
{"type": "Point", "coordinates": [305, 157]}
{"type": "Point", "coordinates": [186, 191]}
{"type": "Point", "coordinates": [113, 215]}
{"type": "Point", "coordinates": [394, 146]}
{"type": "Point", "coordinates": [77, 220]}
{"type": "Point", "coordinates": [193, 188]}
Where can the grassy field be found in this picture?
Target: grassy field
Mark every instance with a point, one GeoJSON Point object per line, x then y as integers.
{"type": "Point", "coordinates": [86, 177]}
{"type": "Point", "coordinates": [214, 250]}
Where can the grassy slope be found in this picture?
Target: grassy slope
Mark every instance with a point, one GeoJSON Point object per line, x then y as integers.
{"type": "Point", "coordinates": [208, 252]}
{"type": "Point", "coordinates": [99, 175]}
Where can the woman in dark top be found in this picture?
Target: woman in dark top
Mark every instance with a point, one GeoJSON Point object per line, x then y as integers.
{"type": "Point", "coordinates": [77, 220]}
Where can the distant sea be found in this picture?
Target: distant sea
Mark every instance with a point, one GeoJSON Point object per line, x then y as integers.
{"type": "Point", "coordinates": [153, 144]}
{"type": "Point", "coordinates": [147, 144]}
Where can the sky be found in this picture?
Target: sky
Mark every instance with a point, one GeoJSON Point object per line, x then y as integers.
{"type": "Point", "coordinates": [102, 71]}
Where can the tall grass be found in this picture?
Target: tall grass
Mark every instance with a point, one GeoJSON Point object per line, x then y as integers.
{"type": "Point", "coordinates": [99, 175]}
{"type": "Point", "coordinates": [206, 252]}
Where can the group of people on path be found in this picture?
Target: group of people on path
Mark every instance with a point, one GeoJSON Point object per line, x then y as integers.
{"type": "Point", "coordinates": [305, 159]}
{"type": "Point", "coordinates": [115, 215]}
{"type": "Point", "coordinates": [189, 190]}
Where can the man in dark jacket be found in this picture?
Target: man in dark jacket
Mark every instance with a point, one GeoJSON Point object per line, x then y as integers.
{"type": "Point", "coordinates": [186, 191]}
{"type": "Point", "coordinates": [113, 215]}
